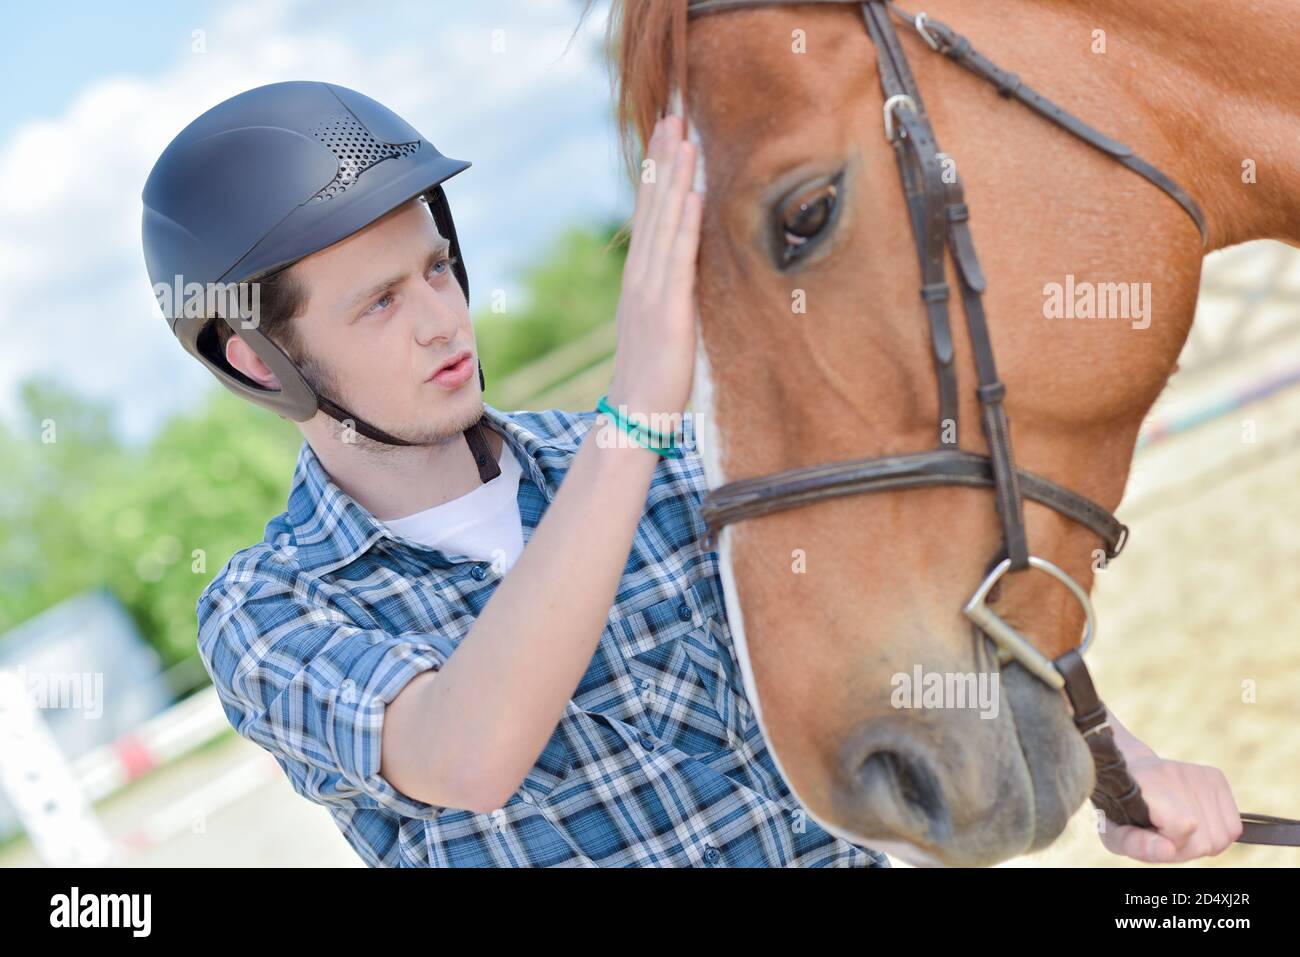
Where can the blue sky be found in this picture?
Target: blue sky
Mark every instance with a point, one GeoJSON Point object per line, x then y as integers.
{"type": "Point", "coordinates": [90, 95]}
{"type": "Point", "coordinates": [48, 58]}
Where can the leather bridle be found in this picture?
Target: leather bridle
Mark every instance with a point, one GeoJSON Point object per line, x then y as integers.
{"type": "Point", "coordinates": [940, 225]}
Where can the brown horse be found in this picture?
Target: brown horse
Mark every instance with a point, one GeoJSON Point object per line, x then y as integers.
{"type": "Point", "coordinates": [829, 358]}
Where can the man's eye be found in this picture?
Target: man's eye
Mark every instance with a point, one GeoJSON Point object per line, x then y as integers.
{"type": "Point", "coordinates": [379, 305]}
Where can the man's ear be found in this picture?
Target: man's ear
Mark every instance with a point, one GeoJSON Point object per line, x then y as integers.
{"type": "Point", "coordinates": [243, 358]}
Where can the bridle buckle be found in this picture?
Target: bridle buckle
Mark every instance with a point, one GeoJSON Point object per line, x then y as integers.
{"type": "Point", "coordinates": [891, 104]}
{"type": "Point", "coordinates": [919, 23]}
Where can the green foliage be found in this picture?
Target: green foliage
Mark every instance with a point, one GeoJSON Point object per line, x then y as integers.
{"type": "Point", "coordinates": [572, 290]}
{"type": "Point", "coordinates": [153, 525]}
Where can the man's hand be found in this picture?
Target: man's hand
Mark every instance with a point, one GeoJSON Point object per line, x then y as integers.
{"type": "Point", "coordinates": [655, 353]}
{"type": "Point", "coordinates": [1192, 809]}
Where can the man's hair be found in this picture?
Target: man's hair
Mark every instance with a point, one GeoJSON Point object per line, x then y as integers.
{"type": "Point", "coordinates": [281, 298]}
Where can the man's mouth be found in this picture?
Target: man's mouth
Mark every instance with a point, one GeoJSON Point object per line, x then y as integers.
{"type": "Point", "coordinates": [455, 371]}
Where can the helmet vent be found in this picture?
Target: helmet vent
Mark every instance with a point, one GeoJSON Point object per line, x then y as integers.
{"type": "Point", "coordinates": [355, 149]}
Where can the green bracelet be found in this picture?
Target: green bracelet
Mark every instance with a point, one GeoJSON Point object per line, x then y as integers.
{"type": "Point", "coordinates": [644, 436]}
{"type": "Point", "coordinates": [659, 438]}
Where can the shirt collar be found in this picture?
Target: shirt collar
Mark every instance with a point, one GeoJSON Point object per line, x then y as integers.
{"type": "Point", "coordinates": [327, 528]}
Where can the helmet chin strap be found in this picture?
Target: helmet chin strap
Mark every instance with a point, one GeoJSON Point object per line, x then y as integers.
{"type": "Point", "coordinates": [488, 468]}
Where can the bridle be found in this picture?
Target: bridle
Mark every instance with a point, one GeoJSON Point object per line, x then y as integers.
{"type": "Point", "coordinates": [940, 225]}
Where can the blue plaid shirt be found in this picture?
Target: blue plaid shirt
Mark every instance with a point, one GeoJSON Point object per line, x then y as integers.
{"type": "Point", "coordinates": [658, 759]}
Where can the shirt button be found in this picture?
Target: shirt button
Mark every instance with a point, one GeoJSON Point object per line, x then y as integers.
{"type": "Point", "coordinates": [647, 742]}
{"type": "Point", "coordinates": [684, 611]}
{"type": "Point", "coordinates": [712, 855]}
{"type": "Point", "coordinates": [479, 572]}
{"type": "Point", "coordinates": [525, 797]}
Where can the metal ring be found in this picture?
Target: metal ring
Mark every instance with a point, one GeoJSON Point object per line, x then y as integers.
{"type": "Point", "coordinates": [925, 34]}
{"type": "Point", "coordinates": [895, 101]}
{"type": "Point", "coordinates": [1013, 645]}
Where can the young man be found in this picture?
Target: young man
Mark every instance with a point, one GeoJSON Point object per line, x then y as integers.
{"type": "Point", "coordinates": [585, 708]}
{"type": "Point", "coordinates": [466, 661]}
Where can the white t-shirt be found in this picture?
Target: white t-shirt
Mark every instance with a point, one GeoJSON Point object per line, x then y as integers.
{"type": "Point", "coordinates": [483, 524]}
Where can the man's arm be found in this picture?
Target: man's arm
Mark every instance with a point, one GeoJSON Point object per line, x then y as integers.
{"type": "Point", "coordinates": [467, 735]}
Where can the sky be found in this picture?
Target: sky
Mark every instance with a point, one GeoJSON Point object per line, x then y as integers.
{"type": "Point", "coordinates": [91, 94]}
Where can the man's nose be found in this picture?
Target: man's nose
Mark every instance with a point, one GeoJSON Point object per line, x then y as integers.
{"type": "Point", "coordinates": [433, 317]}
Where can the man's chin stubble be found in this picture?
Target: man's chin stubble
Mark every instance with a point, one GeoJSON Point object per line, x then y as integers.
{"type": "Point", "coordinates": [422, 435]}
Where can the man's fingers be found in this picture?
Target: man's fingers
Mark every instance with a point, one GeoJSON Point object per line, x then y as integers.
{"type": "Point", "coordinates": [661, 214]}
{"type": "Point", "coordinates": [653, 150]}
{"type": "Point", "coordinates": [653, 190]}
{"type": "Point", "coordinates": [1175, 823]}
{"type": "Point", "coordinates": [668, 224]}
{"type": "Point", "coordinates": [686, 245]}
{"type": "Point", "coordinates": [1139, 843]}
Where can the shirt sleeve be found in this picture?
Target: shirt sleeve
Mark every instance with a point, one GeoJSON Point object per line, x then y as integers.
{"type": "Point", "coordinates": [310, 686]}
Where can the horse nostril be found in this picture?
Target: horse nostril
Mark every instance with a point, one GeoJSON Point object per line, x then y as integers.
{"type": "Point", "coordinates": [901, 792]}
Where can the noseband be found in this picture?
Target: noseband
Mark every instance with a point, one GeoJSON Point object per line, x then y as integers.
{"type": "Point", "coordinates": [940, 225]}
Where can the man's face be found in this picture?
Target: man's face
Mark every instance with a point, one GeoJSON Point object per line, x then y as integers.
{"type": "Point", "coordinates": [384, 313]}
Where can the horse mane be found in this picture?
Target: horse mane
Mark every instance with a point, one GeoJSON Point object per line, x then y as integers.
{"type": "Point", "coordinates": [645, 43]}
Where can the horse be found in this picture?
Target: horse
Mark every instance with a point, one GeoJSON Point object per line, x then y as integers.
{"type": "Point", "coordinates": [814, 347]}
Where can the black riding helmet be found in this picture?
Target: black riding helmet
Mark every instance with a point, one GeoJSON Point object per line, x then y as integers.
{"type": "Point", "coordinates": [260, 181]}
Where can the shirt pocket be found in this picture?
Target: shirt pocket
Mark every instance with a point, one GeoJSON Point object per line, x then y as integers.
{"type": "Point", "coordinates": [682, 681]}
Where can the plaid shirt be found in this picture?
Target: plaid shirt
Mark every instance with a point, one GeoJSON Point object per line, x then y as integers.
{"type": "Point", "coordinates": [657, 761]}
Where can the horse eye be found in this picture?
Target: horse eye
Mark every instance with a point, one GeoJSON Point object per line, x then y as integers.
{"type": "Point", "coordinates": [805, 217]}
